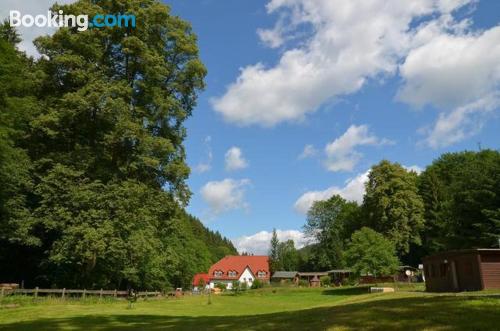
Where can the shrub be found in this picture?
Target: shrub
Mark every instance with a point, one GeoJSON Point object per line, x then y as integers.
{"type": "Point", "coordinates": [325, 280]}
{"type": "Point", "coordinates": [221, 286]}
{"type": "Point", "coordinates": [257, 284]}
{"type": "Point", "coordinates": [303, 283]}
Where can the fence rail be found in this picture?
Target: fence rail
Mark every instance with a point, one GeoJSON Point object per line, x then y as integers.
{"type": "Point", "coordinates": [64, 292]}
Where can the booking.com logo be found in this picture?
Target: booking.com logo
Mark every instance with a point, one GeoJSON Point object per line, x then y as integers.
{"type": "Point", "coordinates": [81, 22]}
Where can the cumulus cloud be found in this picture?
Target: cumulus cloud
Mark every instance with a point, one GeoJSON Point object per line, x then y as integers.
{"type": "Point", "coordinates": [353, 190]}
{"type": "Point", "coordinates": [31, 7]}
{"type": "Point", "coordinates": [459, 74]}
{"type": "Point", "coordinates": [225, 195]}
{"type": "Point", "coordinates": [234, 159]}
{"type": "Point", "coordinates": [309, 151]}
{"type": "Point", "coordinates": [414, 168]}
{"type": "Point", "coordinates": [207, 164]}
{"type": "Point", "coordinates": [350, 41]}
{"type": "Point", "coordinates": [258, 243]}
{"type": "Point", "coordinates": [341, 153]}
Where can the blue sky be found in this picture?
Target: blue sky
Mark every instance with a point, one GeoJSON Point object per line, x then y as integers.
{"type": "Point", "coordinates": [275, 177]}
{"type": "Point", "coordinates": [303, 96]}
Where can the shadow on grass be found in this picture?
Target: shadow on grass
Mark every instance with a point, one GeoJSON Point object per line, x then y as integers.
{"type": "Point", "coordinates": [443, 313]}
{"type": "Point", "coordinates": [347, 291]}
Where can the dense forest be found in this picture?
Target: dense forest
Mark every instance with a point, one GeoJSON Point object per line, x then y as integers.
{"type": "Point", "coordinates": [92, 162]}
{"type": "Point", "coordinates": [453, 204]}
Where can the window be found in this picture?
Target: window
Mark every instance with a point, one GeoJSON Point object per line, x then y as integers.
{"type": "Point", "coordinates": [261, 274]}
{"type": "Point", "coordinates": [218, 273]}
{"type": "Point", "coordinates": [232, 273]}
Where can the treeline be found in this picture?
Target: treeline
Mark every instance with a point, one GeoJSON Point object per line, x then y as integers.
{"type": "Point", "coordinates": [92, 162]}
{"type": "Point", "coordinates": [453, 204]}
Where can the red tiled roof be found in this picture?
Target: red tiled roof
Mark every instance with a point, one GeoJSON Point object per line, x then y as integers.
{"type": "Point", "coordinates": [197, 277]}
{"type": "Point", "coordinates": [238, 264]}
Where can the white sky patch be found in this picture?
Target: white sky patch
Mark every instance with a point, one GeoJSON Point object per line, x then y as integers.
{"type": "Point", "coordinates": [414, 168]}
{"type": "Point", "coordinates": [259, 242]}
{"type": "Point", "coordinates": [31, 7]}
{"type": "Point", "coordinates": [459, 74]}
{"type": "Point", "coordinates": [341, 153]}
{"type": "Point", "coordinates": [225, 195]}
{"type": "Point", "coordinates": [207, 164]}
{"type": "Point", "coordinates": [353, 190]}
{"type": "Point", "coordinates": [351, 41]}
{"type": "Point", "coordinates": [309, 151]}
{"type": "Point", "coordinates": [234, 159]}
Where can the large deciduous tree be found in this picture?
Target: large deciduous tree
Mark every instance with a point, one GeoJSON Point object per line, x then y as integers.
{"type": "Point", "coordinates": [370, 253]}
{"type": "Point", "coordinates": [330, 223]}
{"type": "Point", "coordinates": [461, 192]}
{"type": "Point", "coordinates": [392, 205]}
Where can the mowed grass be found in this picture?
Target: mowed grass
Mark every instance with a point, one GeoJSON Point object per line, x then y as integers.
{"type": "Point", "coordinates": [267, 309]}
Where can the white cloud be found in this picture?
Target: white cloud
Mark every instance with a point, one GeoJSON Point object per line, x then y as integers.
{"type": "Point", "coordinates": [462, 122]}
{"type": "Point", "coordinates": [258, 243]}
{"type": "Point", "coordinates": [341, 153]}
{"type": "Point", "coordinates": [353, 190]}
{"type": "Point", "coordinates": [414, 168]}
{"type": "Point", "coordinates": [31, 7]}
{"type": "Point", "coordinates": [225, 195]}
{"type": "Point", "coordinates": [351, 41]}
{"type": "Point", "coordinates": [207, 164]}
{"type": "Point", "coordinates": [309, 151]}
{"type": "Point", "coordinates": [459, 74]}
{"type": "Point", "coordinates": [235, 160]}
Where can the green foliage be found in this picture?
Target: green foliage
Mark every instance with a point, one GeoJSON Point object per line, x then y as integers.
{"type": "Point", "coordinates": [325, 280]}
{"type": "Point", "coordinates": [331, 223]}
{"type": "Point", "coordinates": [282, 255]}
{"type": "Point", "coordinates": [221, 286]}
{"type": "Point", "coordinates": [303, 283]}
{"type": "Point", "coordinates": [92, 162]}
{"type": "Point", "coordinates": [370, 253]}
{"type": "Point", "coordinates": [256, 284]}
{"type": "Point", "coordinates": [461, 192]}
{"type": "Point", "coordinates": [274, 258]}
{"type": "Point", "coordinates": [392, 205]}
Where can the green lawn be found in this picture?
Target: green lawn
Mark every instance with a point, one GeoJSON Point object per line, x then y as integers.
{"type": "Point", "coordinates": [268, 309]}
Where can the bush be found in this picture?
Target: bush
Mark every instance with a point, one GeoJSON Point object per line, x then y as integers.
{"type": "Point", "coordinates": [303, 283]}
{"type": "Point", "coordinates": [257, 284]}
{"type": "Point", "coordinates": [325, 280]}
{"type": "Point", "coordinates": [221, 286]}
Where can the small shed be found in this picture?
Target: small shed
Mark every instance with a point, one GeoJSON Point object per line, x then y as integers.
{"type": "Point", "coordinates": [315, 282]}
{"type": "Point", "coordinates": [462, 270]}
{"type": "Point", "coordinates": [285, 276]}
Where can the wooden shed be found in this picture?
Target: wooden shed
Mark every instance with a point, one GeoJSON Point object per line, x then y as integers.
{"type": "Point", "coordinates": [462, 270]}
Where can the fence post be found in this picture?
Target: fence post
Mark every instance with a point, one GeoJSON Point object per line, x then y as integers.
{"type": "Point", "coordinates": [63, 291]}
{"type": "Point", "coordinates": [100, 294]}
{"type": "Point", "coordinates": [36, 292]}
{"type": "Point", "coordinates": [83, 294]}
{"type": "Point", "coordinates": [114, 294]}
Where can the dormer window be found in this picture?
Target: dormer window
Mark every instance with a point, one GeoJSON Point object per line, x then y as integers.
{"type": "Point", "coordinates": [232, 273]}
{"type": "Point", "coordinates": [261, 274]}
{"type": "Point", "coordinates": [218, 273]}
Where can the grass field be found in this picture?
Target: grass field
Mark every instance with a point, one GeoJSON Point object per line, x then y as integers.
{"type": "Point", "coordinates": [267, 309]}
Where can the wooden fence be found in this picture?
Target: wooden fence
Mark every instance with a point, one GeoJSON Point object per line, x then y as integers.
{"type": "Point", "coordinates": [68, 292]}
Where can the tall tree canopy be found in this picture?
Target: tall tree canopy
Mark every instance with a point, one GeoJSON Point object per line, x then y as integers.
{"type": "Point", "coordinates": [330, 223]}
{"type": "Point", "coordinates": [461, 192]}
{"type": "Point", "coordinates": [392, 205]}
{"type": "Point", "coordinates": [370, 253]}
{"type": "Point", "coordinates": [92, 160]}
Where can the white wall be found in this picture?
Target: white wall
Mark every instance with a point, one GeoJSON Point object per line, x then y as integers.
{"type": "Point", "coordinates": [247, 277]}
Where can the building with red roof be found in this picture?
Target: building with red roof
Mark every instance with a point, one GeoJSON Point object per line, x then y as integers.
{"type": "Point", "coordinates": [200, 277]}
{"type": "Point", "coordinates": [244, 269]}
